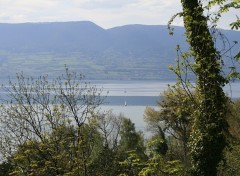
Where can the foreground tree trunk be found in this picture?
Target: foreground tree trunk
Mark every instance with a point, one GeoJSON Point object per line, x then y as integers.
{"type": "Point", "coordinates": [208, 135]}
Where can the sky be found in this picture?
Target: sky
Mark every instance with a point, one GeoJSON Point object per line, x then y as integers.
{"type": "Point", "coordinates": [105, 13]}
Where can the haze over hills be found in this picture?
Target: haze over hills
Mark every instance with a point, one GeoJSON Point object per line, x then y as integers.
{"type": "Point", "coordinates": [126, 52]}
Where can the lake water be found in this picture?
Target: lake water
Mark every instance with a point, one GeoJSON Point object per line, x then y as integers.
{"type": "Point", "coordinates": [135, 113]}
{"type": "Point", "coordinates": [131, 97]}
{"type": "Point", "coordinates": [132, 88]}
{"type": "Point", "coordinates": [139, 94]}
{"type": "Point", "coordinates": [149, 88]}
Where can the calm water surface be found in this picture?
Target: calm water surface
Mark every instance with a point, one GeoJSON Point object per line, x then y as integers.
{"type": "Point", "coordinates": [135, 113]}
{"type": "Point", "coordinates": [150, 88]}
{"type": "Point", "coordinates": [139, 94]}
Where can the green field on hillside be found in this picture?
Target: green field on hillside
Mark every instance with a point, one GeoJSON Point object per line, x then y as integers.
{"type": "Point", "coordinates": [102, 67]}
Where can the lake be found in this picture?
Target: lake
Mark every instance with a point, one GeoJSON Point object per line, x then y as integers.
{"type": "Point", "coordinates": [139, 94]}
{"type": "Point", "coordinates": [135, 113]}
{"type": "Point", "coordinates": [131, 97]}
{"type": "Point", "coordinates": [149, 88]}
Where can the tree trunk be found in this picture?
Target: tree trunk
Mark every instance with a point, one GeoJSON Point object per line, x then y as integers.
{"type": "Point", "coordinates": [209, 127]}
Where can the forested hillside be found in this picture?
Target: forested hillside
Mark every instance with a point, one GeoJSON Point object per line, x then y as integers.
{"type": "Point", "coordinates": [125, 52]}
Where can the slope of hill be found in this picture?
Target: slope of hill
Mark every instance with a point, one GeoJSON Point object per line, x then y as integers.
{"type": "Point", "coordinates": [126, 52]}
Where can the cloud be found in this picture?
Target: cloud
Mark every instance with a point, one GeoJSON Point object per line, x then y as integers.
{"type": "Point", "coordinates": [145, 12]}
{"type": "Point", "coordinates": [103, 4]}
{"type": "Point", "coordinates": [107, 13]}
{"type": "Point", "coordinates": [17, 11]}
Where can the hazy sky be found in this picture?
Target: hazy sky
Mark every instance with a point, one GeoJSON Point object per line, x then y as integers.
{"type": "Point", "coordinates": [106, 13]}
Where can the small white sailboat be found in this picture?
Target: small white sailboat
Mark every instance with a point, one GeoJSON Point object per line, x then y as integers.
{"type": "Point", "coordinates": [125, 104]}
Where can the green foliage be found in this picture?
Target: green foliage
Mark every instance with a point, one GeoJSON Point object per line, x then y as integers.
{"type": "Point", "coordinates": [237, 57]}
{"type": "Point", "coordinates": [6, 167]}
{"type": "Point", "coordinates": [158, 166]}
{"type": "Point", "coordinates": [130, 139]}
{"type": "Point", "coordinates": [173, 118]}
{"type": "Point", "coordinates": [133, 164]}
{"type": "Point", "coordinates": [233, 118]}
{"type": "Point", "coordinates": [210, 128]}
{"type": "Point", "coordinates": [155, 165]}
{"type": "Point", "coordinates": [109, 126]}
{"type": "Point", "coordinates": [224, 7]}
{"type": "Point", "coordinates": [105, 163]}
{"type": "Point", "coordinates": [61, 153]}
{"type": "Point", "coordinates": [231, 164]}
{"type": "Point", "coordinates": [47, 125]}
{"type": "Point", "coordinates": [158, 144]}
{"type": "Point", "coordinates": [208, 136]}
{"type": "Point", "coordinates": [107, 157]}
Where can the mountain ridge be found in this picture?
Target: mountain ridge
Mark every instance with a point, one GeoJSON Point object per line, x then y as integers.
{"type": "Point", "coordinates": [123, 52]}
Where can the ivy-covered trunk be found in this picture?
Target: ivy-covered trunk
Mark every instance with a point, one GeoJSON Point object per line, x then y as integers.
{"type": "Point", "coordinates": [208, 134]}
